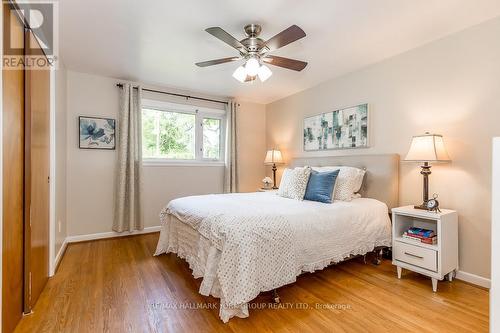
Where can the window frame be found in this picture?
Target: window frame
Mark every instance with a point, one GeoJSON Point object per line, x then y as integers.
{"type": "Point", "coordinates": [222, 135]}
{"type": "Point", "coordinates": [200, 113]}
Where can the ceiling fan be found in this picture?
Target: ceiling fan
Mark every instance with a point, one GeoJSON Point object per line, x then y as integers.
{"type": "Point", "coordinates": [255, 52]}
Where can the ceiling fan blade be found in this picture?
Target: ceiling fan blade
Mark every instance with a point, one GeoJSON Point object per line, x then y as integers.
{"type": "Point", "coordinates": [285, 37]}
{"type": "Point", "coordinates": [216, 61]}
{"type": "Point", "coordinates": [295, 65]}
{"type": "Point", "coordinates": [221, 34]}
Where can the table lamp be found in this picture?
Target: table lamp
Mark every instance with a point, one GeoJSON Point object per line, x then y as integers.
{"type": "Point", "coordinates": [427, 148]}
{"type": "Point", "coordinates": [273, 157]}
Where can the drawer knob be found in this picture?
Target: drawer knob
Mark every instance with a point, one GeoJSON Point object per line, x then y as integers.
{"type": "Point", "coordinates": [414, 255]}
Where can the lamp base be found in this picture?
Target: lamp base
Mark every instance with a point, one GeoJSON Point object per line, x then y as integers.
{"type": "Point", "coordinates": [422, 206]}
{"type": "Point", "coordinates": [425, 172]}
{"type": "Point", "coordinates": [274, 176]}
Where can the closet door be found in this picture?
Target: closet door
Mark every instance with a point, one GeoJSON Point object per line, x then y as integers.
{"type": "Point", "coordinates": [13, 184]}
{"type": "Point", "coordinates": [37, 157]}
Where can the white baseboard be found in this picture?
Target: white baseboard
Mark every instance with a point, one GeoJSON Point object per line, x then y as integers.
{"type": "Point", "coordinates": [111, 234]}
{"type": "Point", "coordinates": [59, 257]}
{"type": "Point", "coordinates": [474, 279]}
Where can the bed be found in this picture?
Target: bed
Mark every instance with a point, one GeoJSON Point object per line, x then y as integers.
{"type": "Point", "coordinates": [243, 244]}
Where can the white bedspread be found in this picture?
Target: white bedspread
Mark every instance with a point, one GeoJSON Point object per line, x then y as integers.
{"type": "Point", "coordinates": [254, 242]}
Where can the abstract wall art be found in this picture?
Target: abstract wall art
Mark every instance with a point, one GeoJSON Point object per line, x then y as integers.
{"type": "Point", "coordinates": [340, 129]}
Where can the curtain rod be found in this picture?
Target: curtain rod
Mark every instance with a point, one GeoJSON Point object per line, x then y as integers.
{"type": "Point", "coordinates": [178, 95]}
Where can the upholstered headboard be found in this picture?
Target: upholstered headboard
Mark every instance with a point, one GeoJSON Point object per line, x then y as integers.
{"type": "Point", "coordinates": [382, 173]}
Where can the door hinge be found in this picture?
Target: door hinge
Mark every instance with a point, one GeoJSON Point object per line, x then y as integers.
{"type": "Point", "coordinates": [48, 179]}
{"type": "Point", "coordinates": [30, 219]}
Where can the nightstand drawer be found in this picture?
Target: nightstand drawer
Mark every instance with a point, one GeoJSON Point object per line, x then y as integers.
{"type": "Point", "coordinates": [415, 255]}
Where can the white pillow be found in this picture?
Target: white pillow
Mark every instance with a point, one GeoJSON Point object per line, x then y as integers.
{"type": "Point", "coordinates": [294, 183]}
{"type": "Point", "coordinates": [348, 181]}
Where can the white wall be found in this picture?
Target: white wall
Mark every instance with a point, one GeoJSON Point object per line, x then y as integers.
{"type": "Point", "coordinates": [251, 131]}
{"type": "Point", "coordinates": [90, 173]}
{"type": "Point", "coordinates": [495, 241]}
{"type": "Point", "coordinates": [450, 87]}
{"type": "Point", "coordinates": [61, 156]}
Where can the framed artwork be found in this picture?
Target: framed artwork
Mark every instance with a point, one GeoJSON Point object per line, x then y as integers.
{"type": "Point", "coordinates": [97, 133]}
{"type": "Point", "coordinates": [340, 129]}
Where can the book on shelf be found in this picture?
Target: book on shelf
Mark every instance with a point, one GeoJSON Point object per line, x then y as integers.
{"type": "Point", "coordinates": [418, 236]}
{"type": "Point", "coordinates": [421, 232]}
{"type": "Point", "coordinates": [426, 240]}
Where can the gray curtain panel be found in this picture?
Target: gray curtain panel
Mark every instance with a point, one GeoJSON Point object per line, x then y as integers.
{"type": "Point", "coordinates": [128, 205]}
{"type": "Point", "coordinates": [230, 174]}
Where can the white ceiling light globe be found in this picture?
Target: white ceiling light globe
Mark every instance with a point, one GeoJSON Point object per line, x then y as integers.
{"type": "Point", "coordinates": [252, 67]}
{"type": "Point", "coordinates": [240, 74]}
{"type": "Point", "coordinates": [264, 73]}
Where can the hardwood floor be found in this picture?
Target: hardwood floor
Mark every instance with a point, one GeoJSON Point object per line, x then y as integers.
{"type": "Point", "coordinates": [116, 285]}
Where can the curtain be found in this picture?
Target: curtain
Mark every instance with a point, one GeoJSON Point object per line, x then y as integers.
{"type": "Point", "coordinates": [128, 207]}
{"type": "Point", "coordinates": [230, 174]}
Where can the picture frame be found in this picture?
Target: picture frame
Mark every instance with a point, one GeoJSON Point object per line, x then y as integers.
{"type": "Point", "coordinates": [96, 133]}
{"type": "Point", "coordinates": [346, 128]}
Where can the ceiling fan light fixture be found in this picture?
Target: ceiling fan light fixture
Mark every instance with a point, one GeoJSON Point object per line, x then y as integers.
{"type": "Point", "coordinates": [252, 66]}
{"type": "Point", "coordinates": [264, 73]}
{"type": "Point", "coordinates": [240, 74]}
{"type": "Point", "coordinates": [255, 51]}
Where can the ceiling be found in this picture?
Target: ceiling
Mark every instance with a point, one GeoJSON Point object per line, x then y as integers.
{"type": "Point", "coordinates": [157, 41]}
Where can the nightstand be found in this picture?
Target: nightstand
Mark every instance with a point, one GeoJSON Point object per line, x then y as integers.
{"type": "Point", "coordinates": [435, 261]}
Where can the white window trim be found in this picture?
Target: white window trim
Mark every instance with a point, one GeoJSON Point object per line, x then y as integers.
{"type": "Point", "coordinates": [222, 136]}
{"type": "Point", "coordinates": [201, 113]}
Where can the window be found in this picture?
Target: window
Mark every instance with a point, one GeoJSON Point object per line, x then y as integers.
{"type": "Point", "coordinates": [211, 138]}
{"type": "Point", "coordinates": [182, 133]}
{"type": "Point", "coordinates": [168, 134]}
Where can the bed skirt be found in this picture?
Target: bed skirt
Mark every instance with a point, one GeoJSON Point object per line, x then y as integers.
{"type": "Point", "coordinates": [203, 259]}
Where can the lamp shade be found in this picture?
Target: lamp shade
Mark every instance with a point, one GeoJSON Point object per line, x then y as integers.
{"type": "Point", "coordinates": [427, 148]}
{"type": "Point", "coordinates": [252, 66]}
{"type": "Point", "coordinates": [264, 73]}
{"type": "Point", "coordinates": [273, 157]}
{"type": "Point", "coordinates": [240, 74]}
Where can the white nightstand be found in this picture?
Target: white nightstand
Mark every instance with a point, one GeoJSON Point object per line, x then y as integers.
{"type": "Point", "coordinates": [435, 261]}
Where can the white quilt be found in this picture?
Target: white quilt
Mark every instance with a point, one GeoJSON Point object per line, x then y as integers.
{"type": "Point", "coordinates": [244, 244]}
